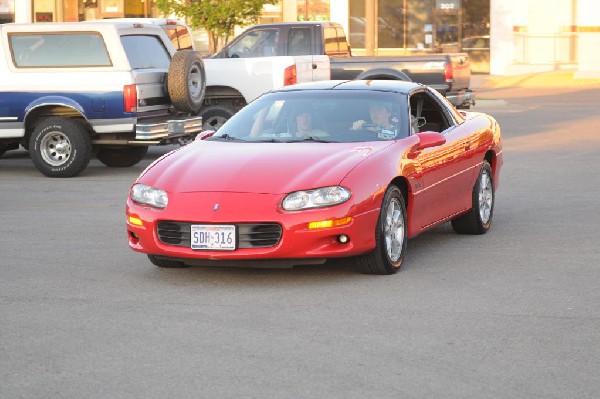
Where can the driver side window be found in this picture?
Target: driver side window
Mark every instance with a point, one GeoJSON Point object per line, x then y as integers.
{"type": "Point", "coordinates": [427, 114]}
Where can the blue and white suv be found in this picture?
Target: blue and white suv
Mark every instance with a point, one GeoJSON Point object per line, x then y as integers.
{"type": "Point", "coordinates": [69, 91]}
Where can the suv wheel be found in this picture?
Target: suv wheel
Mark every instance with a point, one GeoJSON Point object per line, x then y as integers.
{"type": "Point", "coordinates": [60, 147]}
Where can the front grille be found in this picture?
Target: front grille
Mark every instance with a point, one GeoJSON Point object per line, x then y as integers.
{"type": "Point", "coordinates": [259, 235]}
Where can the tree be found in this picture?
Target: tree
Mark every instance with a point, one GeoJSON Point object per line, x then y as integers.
{"type": "Point", "coordinates": [218, 17]}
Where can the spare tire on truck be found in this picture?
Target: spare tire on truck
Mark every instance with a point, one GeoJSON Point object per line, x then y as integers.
{"type": "Point", "coordinates": [186, 82]}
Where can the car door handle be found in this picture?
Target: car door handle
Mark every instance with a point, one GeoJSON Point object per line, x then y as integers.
{"type": "Point", "coordinates": [314, 66]}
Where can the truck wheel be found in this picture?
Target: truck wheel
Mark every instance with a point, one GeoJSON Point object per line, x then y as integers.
{"type": "Point", "coordinates": [186, 81]}
{"type": "Point", "coordinates": [60, 147]}
{"type": "Point", "coordinates": [121, 157]}
{"type": "Point", "coordinates": [215, 116]}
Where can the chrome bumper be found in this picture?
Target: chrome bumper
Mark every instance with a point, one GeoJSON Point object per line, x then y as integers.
{"type": "Point", "coordinates": [461, 99]}
{"type": "Point", "coordinates": [168, 129]}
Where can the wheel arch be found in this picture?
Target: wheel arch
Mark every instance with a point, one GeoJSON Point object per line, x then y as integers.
{"type": "Point", "coordinates": [384, 74]}
{"type": "Point", "coordinates": [491, 158]}
{"type": "Point", "coordinates": [402, 183]}
{"type": "Point", "coordinates": [36, 112]}
{"type": "Point", "coordinates": [224, 95]}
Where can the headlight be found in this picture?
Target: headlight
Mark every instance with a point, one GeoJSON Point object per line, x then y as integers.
{"type": "Point", "coordinates": [147, 195]}
{"type": "Point", "coordinates": [317, 198]}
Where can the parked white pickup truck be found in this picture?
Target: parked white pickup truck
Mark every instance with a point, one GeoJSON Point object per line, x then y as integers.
{"type": "Point", "coordinates": [69, 91]}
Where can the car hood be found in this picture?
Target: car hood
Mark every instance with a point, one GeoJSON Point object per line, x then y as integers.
{"type": "Point", "coordinates": [270, 168]}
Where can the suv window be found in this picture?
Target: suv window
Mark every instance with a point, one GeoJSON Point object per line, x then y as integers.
{"type": "Point", "coordinates": [85, 49]}
{"type": "Point", "coordinates": [145, 52]}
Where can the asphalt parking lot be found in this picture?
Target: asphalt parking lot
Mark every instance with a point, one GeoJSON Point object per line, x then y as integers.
{"type": "Point", "coordinates": [511, 314]}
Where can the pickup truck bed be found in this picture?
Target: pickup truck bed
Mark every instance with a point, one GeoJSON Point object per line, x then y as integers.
{"type": "Point", "coordinates": [447, 73]}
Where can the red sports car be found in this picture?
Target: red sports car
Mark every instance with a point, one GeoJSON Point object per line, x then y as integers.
{"type": "Point", "coordinates": [321, 170]}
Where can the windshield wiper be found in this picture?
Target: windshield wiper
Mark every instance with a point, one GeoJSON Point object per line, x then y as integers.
{"type": "Point", "coordinates": [267, 141]}
{"type": "Point", "coordinates": [225, 137]}
{"type": "Point", "coordinates": [310, 138]}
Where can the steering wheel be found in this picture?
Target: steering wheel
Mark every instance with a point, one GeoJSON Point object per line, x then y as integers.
{"type": "Point", "coordinates": [370, 126]}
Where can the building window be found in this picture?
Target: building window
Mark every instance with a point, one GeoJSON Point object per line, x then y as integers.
{"type": "Point", "coordinates": [7, 11]}
{"type": "Point", "coordinates": [423, 25]}
{"type": "Point", "coordinates": [313, 10]}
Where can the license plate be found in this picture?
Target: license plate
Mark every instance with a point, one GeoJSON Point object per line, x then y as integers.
{"type": "Point", "coordinates": [211, 236]}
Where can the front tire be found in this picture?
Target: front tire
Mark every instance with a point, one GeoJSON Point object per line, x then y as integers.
{"type": "Point", "coordinates": [390, 236]}
{"type": "Point", "coordinates": [60, 147]}
{"type": "Point", "coordinates": [166, 263]}
{"type": "Point", "coordinates": [479, 219]}
{"type": "Point", "coordinates": [121, 157]}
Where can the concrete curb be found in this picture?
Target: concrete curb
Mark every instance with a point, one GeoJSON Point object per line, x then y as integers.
{"type": "Point", "coordinates": [543, 79]}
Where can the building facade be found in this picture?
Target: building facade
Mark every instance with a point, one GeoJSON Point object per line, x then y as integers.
{"type": "Point", "coordinates": [503, 37]}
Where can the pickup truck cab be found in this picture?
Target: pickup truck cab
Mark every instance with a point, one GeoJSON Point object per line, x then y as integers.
{"type": "Point", "coordinates": [69, 91]}
{"type": "Point", "coordinates": [449, 74]}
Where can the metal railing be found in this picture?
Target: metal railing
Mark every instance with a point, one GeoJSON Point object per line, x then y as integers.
{"type": "Point", "coordinates": [555, 48]}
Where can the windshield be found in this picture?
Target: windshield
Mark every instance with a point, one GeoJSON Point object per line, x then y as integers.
{"type": "Point", "coordinates": [320, 116]}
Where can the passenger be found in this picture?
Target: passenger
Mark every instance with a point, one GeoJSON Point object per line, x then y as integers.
{"type": "Point", "coordinates": [304, 124]}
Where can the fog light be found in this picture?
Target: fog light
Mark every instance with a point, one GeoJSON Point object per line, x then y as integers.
{"type": "Point", "coordinates": [343, 239]}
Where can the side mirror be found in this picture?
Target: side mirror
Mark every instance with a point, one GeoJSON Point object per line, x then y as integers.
{"type": "Point", "coordinates": [430, 139]}
{"type": "Point", "coordinates": [204, 135]}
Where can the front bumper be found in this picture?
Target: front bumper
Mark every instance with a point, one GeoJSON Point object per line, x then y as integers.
{"type": "Point", "coordinates": [298, 244]}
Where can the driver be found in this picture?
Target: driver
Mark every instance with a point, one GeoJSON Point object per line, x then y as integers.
{"type": "Point", "coordinates": [380, 114]}
{"type": "Point", "coordinates": [382, 121]}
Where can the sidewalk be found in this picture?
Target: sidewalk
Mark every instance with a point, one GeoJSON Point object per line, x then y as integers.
{"type": "Point", "coordinates": [559, 78]}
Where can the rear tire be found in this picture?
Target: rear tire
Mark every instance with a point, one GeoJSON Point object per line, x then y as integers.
{"type": "Point", "coordinates": [161, 262]}
{"type": "Point", "coordinates": [215, 116]}
{"type": "Point", "coordinates": [479, 219]}
{"type": "Point", "coordinates": [60, 147]}
{"type": "Point", "coordinates": [121, 157]}
{"type": "Point", "coordinates": [390, 236]}
{"type": "Point", "coordinates": [186, 81]}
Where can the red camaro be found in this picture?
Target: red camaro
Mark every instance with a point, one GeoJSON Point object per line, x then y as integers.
{"type": "Point", "coordinates": [320, 170]}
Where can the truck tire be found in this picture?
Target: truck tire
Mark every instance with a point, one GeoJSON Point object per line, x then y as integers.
{"type": "Point", "coordinates": [186, 81]}
{"type": "Point", "coordinates": [60, 147]}
{"type": "Point", "coordinates": [121, 157]}
{"type": "Point", "coordinates": [215, 116]}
